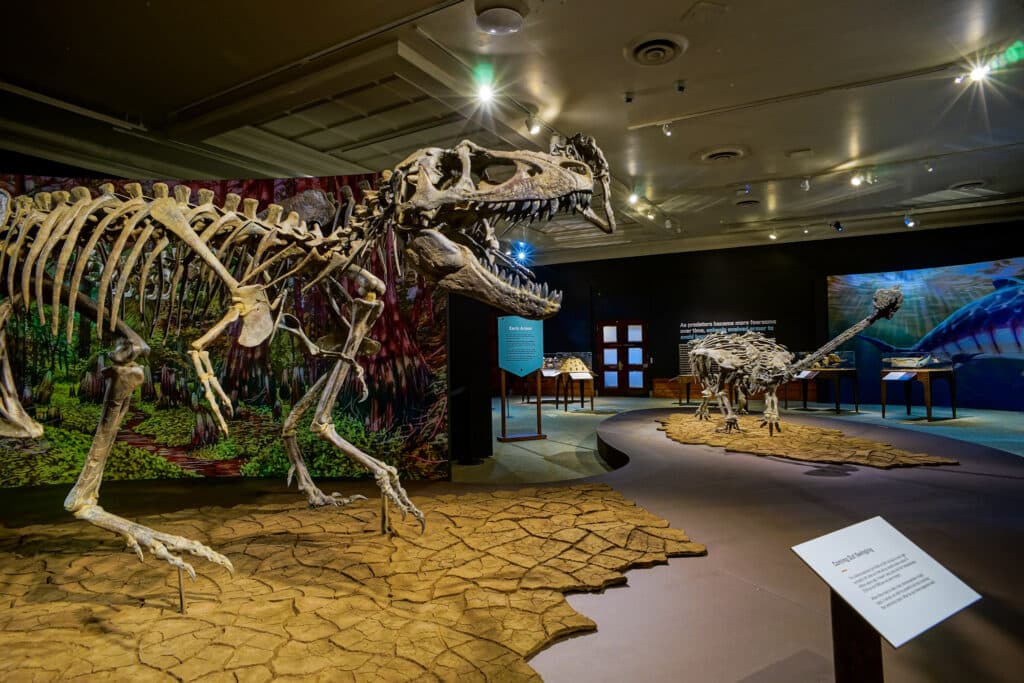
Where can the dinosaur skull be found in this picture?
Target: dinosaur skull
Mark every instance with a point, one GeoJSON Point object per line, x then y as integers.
{"type": "Point", "coordinates": [449, 202]}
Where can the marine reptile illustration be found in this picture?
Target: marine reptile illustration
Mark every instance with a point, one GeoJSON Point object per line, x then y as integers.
{"type": "Point", "coordinates": [754, 363]}
{"type": "Point", "coordinates": [441, 204]}
{"type": "Point", "coordinates": [987, 327]}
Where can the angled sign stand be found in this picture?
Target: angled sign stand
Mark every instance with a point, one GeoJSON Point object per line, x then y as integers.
{"type": "Point", "coordinates": [882, 585]}
{"type": "Point", "coordinates": [521, 352]}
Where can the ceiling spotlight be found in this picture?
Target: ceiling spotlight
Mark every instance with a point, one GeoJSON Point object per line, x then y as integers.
{"type": "Point", "coordinates": [533, 125]}
{"type": "Point", "coordinates": [857, 180]}
{"type": "Point", "coordinates": [807, 231]}
{"type": "Point", "coordinates": [484, 92]}
{"type": "Point", "coordinates": [979, 73]}
{"type": "Point", "coordinates": [521, 256]}
{"type": "Point", "coordinates": [668, 223]}
{"type": "Point", "coordinates": [837, 226]}
{"type": "Point", "coordinates": [928, 167]}
{"type": "Point", "coordinates": [805, 184]}
{"type": "Point", "coordinates": [633, 198]}
{"type": "Point", "coordinates": [650, 215]}
{"type": "Point", "coordinates": [908, 220]}
{"type": "Point", "coordinates": [667, 130]}
{"type": "Point", "coordinates": [959, 79]}
{"type": "Point", "coordinates": [773, 236]}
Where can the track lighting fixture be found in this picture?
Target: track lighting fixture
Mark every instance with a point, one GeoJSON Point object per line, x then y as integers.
{"type": "Point", "coordinates": [633, 198]}
{"type": "Point", "coordinates": [773, 235]}
{"type": "Point", "coordinates": [667, 130]}
{"type": "Point", "coordinates": [533, 124]}
{"type": "Point", "coordinates": [857, 180]}
{"type": "Point", "coordinates": [908, 220]}
{"type": "Point", "coordinates": [805, 184]}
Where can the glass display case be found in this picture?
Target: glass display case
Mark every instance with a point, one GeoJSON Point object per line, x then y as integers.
{"type": "Point", "coordinates": [916, 360]}
{"type": "Point", "coordinates": [569, 361]}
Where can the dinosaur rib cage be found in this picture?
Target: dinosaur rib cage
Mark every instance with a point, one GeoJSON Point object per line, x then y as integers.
{"type": "Point", "coordinates": [161, 255]}
{"type": "Point", "coordinates": [757, 361]}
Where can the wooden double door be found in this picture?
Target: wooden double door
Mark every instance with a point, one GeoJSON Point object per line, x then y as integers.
{"type": "Point", "coordinates": [622, 363]}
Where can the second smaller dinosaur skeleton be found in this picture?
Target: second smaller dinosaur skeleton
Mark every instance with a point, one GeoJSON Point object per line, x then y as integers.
{"type": "Point", "coordinates": [753, 364]}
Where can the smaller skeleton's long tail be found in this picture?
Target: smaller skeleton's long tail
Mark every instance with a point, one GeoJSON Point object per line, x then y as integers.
{"type": "Point", "coordinates": [886, 303]}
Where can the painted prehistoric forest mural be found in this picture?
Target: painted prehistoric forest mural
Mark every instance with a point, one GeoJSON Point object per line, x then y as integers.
{"type": "Point", "coordinates": [972, 313]}
{"type": "Point", "coordinates": [170, 431]}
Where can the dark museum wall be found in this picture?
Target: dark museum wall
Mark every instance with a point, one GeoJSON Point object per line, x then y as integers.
{"type": "Point", "coordinates": [785, 282]}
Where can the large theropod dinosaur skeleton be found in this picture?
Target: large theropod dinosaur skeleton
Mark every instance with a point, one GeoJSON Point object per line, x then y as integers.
{"type": "Point", "coordinates": [171, 260]}
{"type": "Point", "coordinates": [754, 364]}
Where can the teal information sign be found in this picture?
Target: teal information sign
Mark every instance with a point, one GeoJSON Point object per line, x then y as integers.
{"type": "Point", "coordinates": [520, 345]}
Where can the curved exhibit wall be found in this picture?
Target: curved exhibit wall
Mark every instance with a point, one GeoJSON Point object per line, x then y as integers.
{"type": "Point", "coordinates": [786, 284]}
{"type": "Point", "coordinates": [170, 432]}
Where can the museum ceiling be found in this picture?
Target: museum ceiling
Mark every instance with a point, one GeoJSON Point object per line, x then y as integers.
{"type": "Point", "coordinates": [774, 108]}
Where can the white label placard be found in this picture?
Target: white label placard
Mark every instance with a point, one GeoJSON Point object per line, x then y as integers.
{"type": "Point", "coordinates": [550, 372]}
{"type": "Point", "coordinates": [581, 375]}
{"type": "Point", "coordinates": [806, 374]}
{"type": "Point", "coordinates": [898, 588]}
{"type": "Point", "coordinates": [899, 376]}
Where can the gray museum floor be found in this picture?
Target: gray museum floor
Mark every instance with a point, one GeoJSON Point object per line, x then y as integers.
{"type": "Point", "coordinates": [751, 611]}
{"type": "Point", "coordinates": [570, 449]}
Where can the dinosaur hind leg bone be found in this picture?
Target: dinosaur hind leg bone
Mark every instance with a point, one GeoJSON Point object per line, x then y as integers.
{"type": "Point", "coordinates": [298, 469]}
{"type": "Point", "coordinates": [123, 376]}
{"type": "Point", "coordinates": [364, 313]}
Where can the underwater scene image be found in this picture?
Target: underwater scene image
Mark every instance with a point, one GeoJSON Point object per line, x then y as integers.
{"type": "Point", "coordinates": [973, 313]}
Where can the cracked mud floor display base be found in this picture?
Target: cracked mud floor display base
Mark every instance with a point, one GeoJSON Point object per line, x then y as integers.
{"type": "Point", "coordinates": [317, 595]}
{"type": "Point", "coordinates": [796, 442]}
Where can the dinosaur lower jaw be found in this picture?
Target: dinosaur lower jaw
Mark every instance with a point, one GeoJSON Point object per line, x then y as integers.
{"type": "Point", "coordinates": [504, 290]}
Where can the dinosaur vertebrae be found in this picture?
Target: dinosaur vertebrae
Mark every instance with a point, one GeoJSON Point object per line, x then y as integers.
{"type": "Point", "coordinates": [156, 253]}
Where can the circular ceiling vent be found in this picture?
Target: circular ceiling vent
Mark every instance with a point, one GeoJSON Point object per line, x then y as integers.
{"type": "Point", "coordinates": [655, 49]}
{"type": "Point", "coordinates": [722, 154]}
{"type": "Point", "coordinates": [748, 203]}
{"type": "Point", "coordinates": [499, 21]}
{"type": "Point", "coordinates": [967, 185]}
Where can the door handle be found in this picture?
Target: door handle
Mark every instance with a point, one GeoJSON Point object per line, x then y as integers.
{"type": "Point", "coordinates": [620, 365]}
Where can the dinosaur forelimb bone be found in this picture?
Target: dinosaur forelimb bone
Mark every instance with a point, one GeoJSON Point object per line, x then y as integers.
{"type": "Point", "coordinates": [212, 389]}
{"type": "Point", "coordinates": [703, 410]}
{"type": "Point", "coordinates": [732, 423]}
{"type": "Point", "coordinates": [770, 417]}
{"type": "Point", "coordinates": [124, 376]}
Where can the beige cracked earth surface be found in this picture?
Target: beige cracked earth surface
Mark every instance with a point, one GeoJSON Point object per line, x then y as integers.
{"type": "Point", "coordinates": [796, 442]}
{"type": "Point", "coordinates": [319, 595]}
